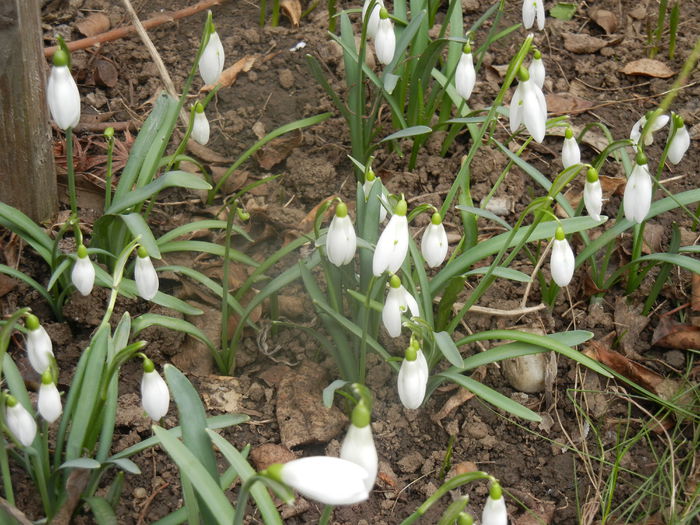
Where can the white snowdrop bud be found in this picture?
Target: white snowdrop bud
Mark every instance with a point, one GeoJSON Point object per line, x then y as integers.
{"type": "Point", "coordinates": [385, 41]}
{"type": "Point", "coordinates": [370, 180]}
{"type": "Point", "coordinates": [200, 125]}
{"type": "Point", "coordinates": [495, 512]}
{"type": "Point", "coordinates": [680, 142]}
{"type": "Point", "coordinates": [155, 396]}
{"type": "Point", "coordinates": [341, 241]}
{"type": "Point", "coordinates": [434, 242]}
{"type": "Point", "coordinates": [392, 245]}
{"type": "Point", "coordinates": [373, 22]}
{"type": "Point", "coordinates": [397, 302]}
{"type": "Point", "coordinates": [533, 9]}
{"type": "Point", "coordinates": [465, 75]}
{"type": "Point", "coordinates": [528, 107]}
{"type": "Point", "coordinates": [413, 377]}
{"type": "Point", "coordinates": [593, 194]}
{"type": "Point", "coordinates": [570, 152]}
{"type": "Point", "coordinates": [536, 69]}
{"type": "Point", "coordinates": [83, 274]}
{"type": "Point", "coordinates": [358, 445]}
{"type": "Point", "coordinates": [39, 346]}
{"type": "Point", "coordinates": [638, 191]}
{"type": "Point", "coordinates": [19, 422]}
{"type": "Point", "coordinates": [49, 399]}
{"type": "Point", "coordinates": [211, 63]}
{"type": "Point", "coordinates": [562, 262]}
{"type": "Point", "coordinates": [145, 275]}
{"type": "Point", "coordinates": [62, 93]}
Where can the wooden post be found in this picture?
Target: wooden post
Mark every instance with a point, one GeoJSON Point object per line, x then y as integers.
{"type": "Point", "coordinates": [27, 174]}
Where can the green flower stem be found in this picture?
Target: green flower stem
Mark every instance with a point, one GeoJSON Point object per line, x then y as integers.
{"type": "Point", "coordinates": [5, 468]}
{"type": "Point", "coordinates": [365, 322]}
{"type": "Point", "coordinates": [224, 342]}
{"type": "Point", "coordinates": [243, 496]}
{"type": "Point", "coordinates": [326, 515]}
{"type": "Point", "coordinates": [71, 173]}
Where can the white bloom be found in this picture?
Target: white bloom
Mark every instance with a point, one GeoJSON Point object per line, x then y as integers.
{"type": "Point", "coordinates": [211, 63]}
{"type": "Point", "coordinates": [83, 274]}
{"type": "Point", "coordinates": [371, 180]}
{"type": "Point", "coordinates": [593, 194]}
{"type": "Point", "coordinates": [385, 41]}
{"type": "Point", "coordinates": [341, 240]}
{"type": "Point", "coordinates": [570, 152]}
{"type": "Point", "coordinates": [679, 145]}
{"type": "Point", "coordinates": [328, 480]}
{"type": "Point", "coordinates": [397, 302]}
{"type": "Point", "coordinates": [528, 106]}
{"type": "Point", "coordinates": [413, 379]}
{"type": "Point", "coordinates": [39, 346]}
{"type": "Point", "coordinates": [433, 245]}
{"type": "Point", "coordinates": [465, 76]}
{"type": "Point", "coordinates": [62, 93]}
{"type": "Point", "coordinates": [562, 262]}
{"type": "Point", "coordinates": [636, 133]}
{"type": "Point", "coordinates": [533, 9]}
{"type": "Point", "coordinates": [536, 70]}
{"type": "Point", "coordinates": [495, 512]}
{"type": "Point", "coordinates": [146, 277]}
{"type": "Point", "coordinates": [358, 445]}
{"type": "Point", "coordinates": [20, 423]}
{"type": "Point", "coordinates": [200, 127]}
{"type": "Point", "coordinates": [373, 22]}
{"type": "Point", "coordinates": [49, 402]}
{"type": "Point", "coordinates": [155, 396]}
{"type": "Point", "coordinates": [392, 245]}
{"type": "Point", "coordinates": [638, 193]}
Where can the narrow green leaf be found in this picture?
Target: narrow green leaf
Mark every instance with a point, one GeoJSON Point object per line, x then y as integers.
{"type": "Point", "coordinates": [102, 511]}
{"type": "Point", "coordinates": [146, 320]}
{"type": "Point", "coordinates": [448, 348]}
{"type": "Point", "coordinates": [84, 463]}
{"type": "Point", "coordinates": [329, 391]}
{"type": "Point", "coordinates": [504, 273]}
{"type": "Point", "coordinates": [126, 465]}
{"type": "Point", "coordinates": [408, 132]}
{"type": "Point", "coordinates": [27, 280]}
{"type": "Point", "coordinates": [206, 247]}
{"type": "Point", "coordinates": [138, 228]}
{"type": "Point", "coordinates": [679, 260]}
{"type": "Point", "coordinates": [66, 263]}
{"type": "Point", "coordinates": [180, 179]}
{"type": "Point", "coordinates": [486, 214]}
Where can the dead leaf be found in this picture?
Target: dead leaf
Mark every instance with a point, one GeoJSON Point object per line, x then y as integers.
{"type": "Point", "coordinates": [456, 400]}
{"type": "Point", "coordinates": [695, 295]}
{"type": "Point", "coordinates": [94, 24]}
{"type": "Point", "coordinates": [268, 453]}
{"type": "Point", "coordinates": [612, 185]}
{"type": "Point", "coordinates": [292, 8]}
{"type": "Point", "coordinates": [582, 44]}
{"type": "Point", "coordinates": [648, 67]}
{"type": "Point", "coordinates": [7, 284]}
{"type": "Point", "coordinates": [105, 74]}
{"type": "Point", "coordinates": [632, 370]}
{"type": "Point", "coordinates": [278, 149]}
{"type": "Point", "coordinates": [671, 334]}
{"type": "Point", "coordinates": [605, 19]}
{"type": "Point", "coordinates": [307, 222]}
{"type": "Point", "coordinates": [629, 325]}
{"type": "Point", "coordinates": [566, 104]}
{"type": "Point", "coordinates": [654, 234]}
{"type": "Point", "coordinates": [228, 76]}
{"type": "Point", "coordinates": [207, 154]}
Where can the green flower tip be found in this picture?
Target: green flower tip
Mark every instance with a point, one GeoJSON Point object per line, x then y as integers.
{"type": "Point", "coordinates": [401, 207]}
{"type": "Point", "coordinates": [592, 175]}
{"type": "Point", "coordinates": [370, 176]}
{"type": "Point", "coordinates": [569, 134]}
{"type": "Point", "coordinates": [274, 472]}
{"type": "Point", "coordinates": [465, 519]}
{"type": "Point", "coordinates": [61, 58]}
{"type": "Point", "coordinates": [523, 75]}
{"type": "Point", "coordinates": [559, 235]}
{"type": "Point", "coordinates": [395, 282]}
{"type": "Point", "coordinates": [141, 252]}
{"type": "Point", "coordinates": [641, 158]}
{"type": "Point", "coordinates": [82, 251]}
{"type": "Point", "coordinates": [243, 215]}
{"type": "Point", "coordinates": [467, 48]}
{"type": "Point", "coordinates": [198, 107]}
{"type": "Point", "coordinates": [32, 322]}
{"type": "Point", "coordinates": [10, 400]}
{"type": "Point", "coordinates": [148, 365]}
{"type": "Point", "coordinates": [361, 415]}
{"type": "Point", "coordinates": [47, 377]}
{"type": "Point", "coordinates": [341, 210]}
{"type": "Point", "coordinates": [678, 120]}
{"type": "Point", "coordinates": [109, 132]}
{"type": "Point", "coordinates": [537, 55]}
{"type": "Point", "coordinates": [411, 353]}
{"type": "Point", "coordinates": [436, 219]}
{"type": "Point", "coordinates": [495, 491]}
{"type": "Point", "coordinates": [383, 13]}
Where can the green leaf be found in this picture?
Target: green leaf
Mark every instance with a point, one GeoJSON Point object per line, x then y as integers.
{"type": "Point", "coordinates": [486, 214]}
{"type": "Point", "coordinates": [329, 391]}
{"type": "Point", "coordinates": [27, 280]}
{"type": "Point", "coordinates": [84, 463]}
{"type": "Point", "coordinates": [408, 132]}
{"type": "Point", "coordinates": [16, 221]}
{"type": "Point", "coordinates": [194, 226]}
{"type": "Point", "coordinates": [145, 320]}
{"type": "Point", "coordinates": [56, 275]}
{"type": "Point", "coordinates": [679, 260]}
{"type": "Point", "coordinates": [563, 11]}
{"type": "Point", "coordinates": [448, 348]}
{"type": "Point", "coordinates": [500, 271]}
{"type": "Point", "coordinates": [206, 247]}
{"type": "Point", "coordinates": [102, 511]}
{"type": "Point", "coordinates": [126, 465]}
{"type": "Point", "coordinates": [138, 228]}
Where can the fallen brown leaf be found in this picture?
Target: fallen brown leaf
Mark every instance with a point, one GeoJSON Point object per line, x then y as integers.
{"type": "Point", "coordinates": [566, 104]}
{"type": "Point", "coordinates": [105, 74]}
{"type": "Point", "coordinates": [229, 75]}
{"type": "Point", "coordinates": [695, 295]}
{"type": "Point", "coordinates": [292, 8]}
{"type": "Point", "coordinates": [612, 185]}
{"type": "Point", "coordinates": [629, 324]}
{"type": "Point", "coordinates": [7, 284]}
{"type": "Point", "coordinates": [647, 67]}
{"type": "Point", "coordinates": [582, 44]}
{"type": "Point", "coordinates": [278, 149]}
{"type": "Point", "coordinates": [605, 19]}
{"type": "Point", "coordinates": [632, 370]}
{"type": "Point", "coordinates": [671, 334]}
{"type": "Point", "coordinates": [94, 24]}
{"type": "Point", "coordinates": [207, 154]}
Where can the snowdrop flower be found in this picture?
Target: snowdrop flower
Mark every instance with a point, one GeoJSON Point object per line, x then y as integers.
{"type": "Point", "coordinates": [638, 191]}
{"type": "Point", "coordinates": [533, 9]}
{"type": "Point", "coordinates": [370, 180]}
{"type": "Point", "coordinates": [49, 400]}
{"type": "Point", "coordinates": [465, 76]}
{"type": "Point", "coordinates": [155, 396]}
{"type": "Point", "coordinates": [62, 93]}
{"type": "Point", "coordinates": [328, 480]}
{"type": "Point", "coordinates": [536, 69]}
{"type": "Point", "coordinates": [397, 302]}
{"type": "Point", "coordinates": [413, 377]}
{"type": "Point", "coordinates": [83, 274]}
{"type": "Point", "coordinates": [39, 346]}
{"type": "Point", "coordinates": [385, 41]}
{"type": "Point", "coordinates": [528, 107]}
{"type": "Point", "coordinates": [200, 125]}
{"type": "Point", "coordinates": [145, 275]}
{"type": "Point", "coordinates": [341, 240]}
{"type": "Point", "coordinates": [373, 22]}
{"type": "Point", "coordinates": [392, 245]}
{"type": "Point", "coordinates": [495, 512]}
{"type": "Point", "coordinates": [433, 245]}
{"type": "Point", "coordinates": [570, 152]}
{"type": "Point", "coordinates": [680, 141]}
{"type": "Point", "coordinates": [211, 63]}
{"type": "Point", "coordinates": [593, 194]}
{"type": "Point", "coordinates": [659, 122]}
{"type": "Point", "coordinates": [562, 262]}
{"type": "Point", "coordinates": [19, 422]}
{"type": "Point", "coordinates": [358, 445]}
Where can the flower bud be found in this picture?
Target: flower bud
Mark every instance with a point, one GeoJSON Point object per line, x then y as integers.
{"type": "Point", "coordinates": [570, 152]}
{"type": "Point", "coordinates": [62, 93]}
{"type": "Point", "coordinates": [638, 192]}
{"type": "Point", "coordinates": [211, 63]}
{"type": "Point", "coordinates": [562, 262]}
{"type": "Point", "coordinates": [385, 41]}
{"type": "Point", "coordinates": [145, 275]}
{"type": "Point", "coordinates": [397, 302]}
{"type": "Point", "coordinates": [155, 396]}
{"type": "Point", "coordinates": [413, 378]}
{"type": "Point", "coordinates": [200, 125]}
{"type": "Point", "coordinates": [680, 142]}
{"type": "Point", "coordinates": [392, 245]}
{"type": "Point", "coordinates": [434, 242]}
{"type": "Point", "coordinates": [495, 512]}
{"type": "Point", "coordinates": [39, 346]}
{"type": "Point", "coordinates": [83, 274]}
{"type": "Point", "coordinates": [465, 75]}
{"type": "Point", "coordinates": [593, 194]}
{"type": "Point", "coordinates": [19, 422]}
{"type": "Point", "coordinates": [49, 399]}
{"type": "Point", "coordinates": [341, 241]}
{"type": "Point", "coordinates": [358, 445]}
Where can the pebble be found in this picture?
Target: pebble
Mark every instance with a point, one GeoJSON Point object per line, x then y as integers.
{"type": "Point", "coordinates": [286, 78]}
{"type": "Point", "coordinates": [140, 493]}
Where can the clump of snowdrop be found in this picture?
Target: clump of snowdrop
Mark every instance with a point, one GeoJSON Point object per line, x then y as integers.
{"type": "Point", "coordinates": [659, 121]}
{"type": "Point", "coordinates": [562, 262]}
{"type": "Point", "coordinates": [83, 274]}
{"type": "Point", "coordinates": [434, 242]}
{"type": "Point", "coordinates": [39, 346]}
{"type": "Point", "coordinates": [373, 21]}
{"type": "Point", "coordinates": [495, 512]}
{"type": "Point", "coordinates": [145, 275]}
{"type": "Point", "coordinates": [536, 69]}
{"type": "Point", "coordinates": [593, 194]}
{"type": "Point", "coordinates": [62, 92]}
{"type": "Point", "coordinates": [413, 377]}
{"type": "Point", "coordinates": [211, 63]}
{"type": "Point", "coordinates": [680, 141]}
{"type": "Point", "coordinates": [200, 125]}
{"type": "Point", "coordinates": [398, 302]}
{"type": "Point", "coordinates": [341, 240]}
{"type": "Point", "coordinates": [638, 191]}
{"type": "Point", "coordinates": [533, 9]}
{"type": "Point", "coordinates": [49, 399]}
{"type": "Point", "coordinates": [155, 396]}
{"type": "Point", "coordinates": [385, 40]}
{"type": "Point", "coordinates": [528, 107]}
{"type": "Point", "coordinates": [358, 445]}
{"type": "Point", "coordinates": [19, 421]}
{"type": "Point", "coordinates": [392, 244]}
{"type": "Point", "coordinates": [570, 152]}
{"type": "Point", "coordinates": [465, 76]}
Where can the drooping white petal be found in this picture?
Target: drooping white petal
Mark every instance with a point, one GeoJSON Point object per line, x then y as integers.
{"type": "Point", "coordinates": [394, 305]}
{"type": "Point", "coordinates": [539, 8]}
{"type": "Point", "coordinates": [39, 349]}
{"type": "Point", "coordinates": [373, 22]}
{"type": "Point", "coordinates": [155, 396]}
{"type": "Point", "coordinates": [562, 262]}
{"type": "Point", "coordinates": [679, 145]}
{"type": "Point", "coordinates": [537, 72]}
{"type": "Point", "coordinates": [412, 381]}
{"type": "Point", "coordinates": [593, 199]}
{"type": "Point", "coordinates": [434, 244]}
{"type": "Point", "coordinates": [63, 97]}
{"type": "Point", "coordinates": [21, 424]}
{"type": "Point", "coordinates": [385, 41]}
{"type": "Point", "coordinates": [465, 76]}
{"type": "Point", "coordinates": [529, 13]}
{"type": "Point", "coordinates": [392, 246]}
{"type": "Point", "coordinates": [659, 122]}
{"type": "Point", "coordinates": [534, 115]}
{"type": "Point", "coordinates": [495, 512]}
{"type": "Point", "coordinates": [341, 241]}
{"type": "Point", "coordinates": [515, 110]}
{"type": "Point", "coordinates": [200, 128]}
{"type": "Point", "coordinates": [570, 152]}
{"type": "Point", "coordinates": [328, 480]}
{"type": "Point", "coordinates": [638, 193]}
{"type": "Point", "coordinates": [83, 275]}
{"type": "Point", "coordinates": [358, 447]}
{"type": "Point", "coordinates": [49, 402]}
{"type": "Point", "coordinates": [367, 187]}
{"type": "Point", "coordinates": [211, 63]}
{"type": "Point", "coordinates": [146, 278]}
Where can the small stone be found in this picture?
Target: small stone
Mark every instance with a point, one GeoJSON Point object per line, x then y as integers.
{"type": "Point", "coordinates": [286, 78]}
{"type": "Point", "coordinates": [411, 462]}
{"type": "Point", "coordinates": [269, 453]}
{"type": "Point", "coordinates": [675, 358]}
{"type": "Point", "coordinates": [140, 493]}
